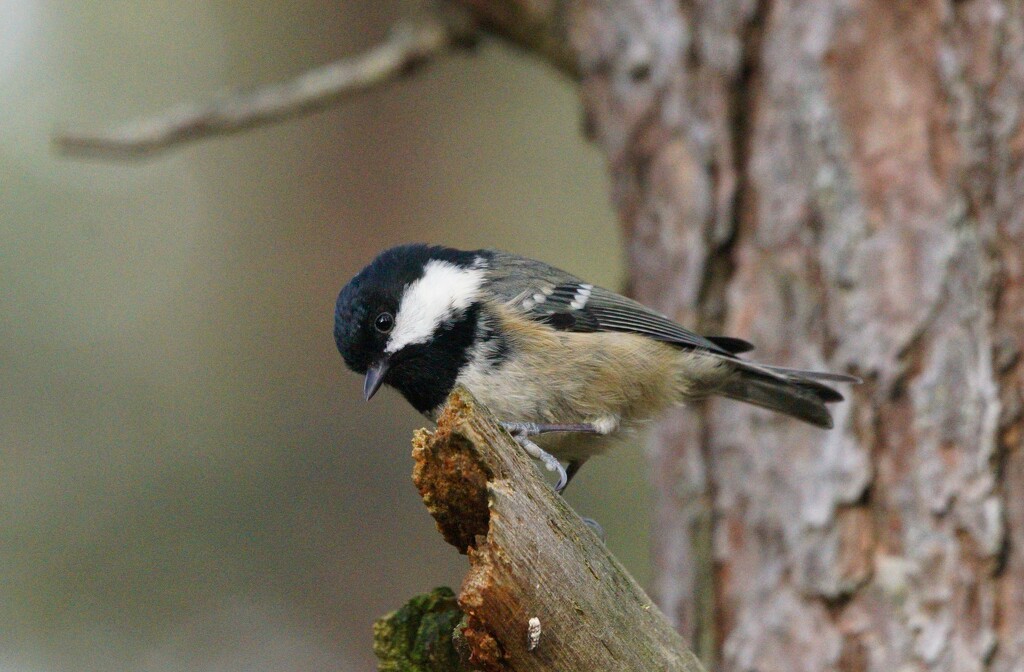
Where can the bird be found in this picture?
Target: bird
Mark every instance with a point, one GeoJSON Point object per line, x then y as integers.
{"type": "Point", "coordinates": [568, 368]}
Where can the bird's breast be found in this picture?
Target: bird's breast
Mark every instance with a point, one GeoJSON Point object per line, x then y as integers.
{"type": "Point", "coordinates": [550, 376]}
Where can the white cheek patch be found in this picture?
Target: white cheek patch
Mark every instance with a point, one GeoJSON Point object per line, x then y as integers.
{"type": "Point", "coordinates": [443, 290]}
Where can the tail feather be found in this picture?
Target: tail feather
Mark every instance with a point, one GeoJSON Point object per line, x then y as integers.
{"type": "Point", "coordinates": [793, 392]}
{"type": "Point", "coordinates": [814, 375]}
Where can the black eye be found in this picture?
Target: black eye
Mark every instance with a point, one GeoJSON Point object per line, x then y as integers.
{"type": "Point", "coordinates": [384, 323]}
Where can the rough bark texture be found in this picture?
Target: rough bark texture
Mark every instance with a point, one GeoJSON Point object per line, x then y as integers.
{"type": "Point", "coordinates": [837, 181]}
{"type": "Point", "coordinates": [532, 557]}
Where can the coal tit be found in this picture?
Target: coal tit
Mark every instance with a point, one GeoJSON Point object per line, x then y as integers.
{"type": "Point", "coordinates": [567, 366]}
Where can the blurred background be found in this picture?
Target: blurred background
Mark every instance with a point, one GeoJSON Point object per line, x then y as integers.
{"type": "Point", "coordinates": [190, 479]}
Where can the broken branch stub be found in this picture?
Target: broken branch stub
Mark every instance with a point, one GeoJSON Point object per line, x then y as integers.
{"type": "Point", "coordinates": [532, 557]}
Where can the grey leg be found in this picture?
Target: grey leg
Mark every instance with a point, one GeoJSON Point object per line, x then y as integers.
{"type": "Point", "coordinates": [522, 431]}
{"type": "Point", "coordinates": [538, 453]}
{"type": "Point", "coordinates": [533, 428]}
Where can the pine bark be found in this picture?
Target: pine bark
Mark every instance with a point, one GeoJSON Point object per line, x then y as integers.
{"type": "Point", "coordinates": [838, 182]}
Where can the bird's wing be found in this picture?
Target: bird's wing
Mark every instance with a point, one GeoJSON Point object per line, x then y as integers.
{"type": "Point", "coordinates": [563, 301]}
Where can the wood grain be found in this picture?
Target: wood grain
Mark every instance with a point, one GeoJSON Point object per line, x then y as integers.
{"type": "Point", "coordinates": [531, 556]}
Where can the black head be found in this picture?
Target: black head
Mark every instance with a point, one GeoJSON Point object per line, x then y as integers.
{"type": "Point", "coordinates": [409, 320]}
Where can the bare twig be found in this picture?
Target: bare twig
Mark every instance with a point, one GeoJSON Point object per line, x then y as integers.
{"type": "Point", "coordinates": [407, 46]}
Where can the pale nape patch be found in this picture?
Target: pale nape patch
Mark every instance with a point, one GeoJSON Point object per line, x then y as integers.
{"type": "Point", "coordinates": [606, 424]}
{"type": "Point", "coordinates": [443, 290]}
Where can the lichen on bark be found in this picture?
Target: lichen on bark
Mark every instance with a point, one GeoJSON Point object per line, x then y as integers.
{"type": "Point", "coordinates": [421, 635]}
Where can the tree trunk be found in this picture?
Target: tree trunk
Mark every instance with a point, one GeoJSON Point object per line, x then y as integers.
{"type": "Point", "coordinates": [836, 182]}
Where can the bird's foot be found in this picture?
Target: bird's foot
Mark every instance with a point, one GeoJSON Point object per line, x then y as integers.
{"type": "Point", "coordinates": [538, 453]}
{"type": "Point", "coordinates": [522, 431]}
{"type": "Point", "coordinates": [596, 527]}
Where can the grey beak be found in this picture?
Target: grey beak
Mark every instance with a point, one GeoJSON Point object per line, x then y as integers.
{"type": "Point", "coordinates": [374, 379]}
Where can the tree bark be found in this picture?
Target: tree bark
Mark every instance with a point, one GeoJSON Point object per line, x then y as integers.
{"type": "Point", "coordinates": [837, 182]}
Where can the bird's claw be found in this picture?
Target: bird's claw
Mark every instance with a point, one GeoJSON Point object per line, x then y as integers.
{"type": "Point", "coordinates": [563, 478]}
{"type": "Point", "coordinates": [521, 433]}
{"type": "Point", "coordinates": [550, 462]}
{"type": "Point", "coordinates": [596, 527]}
